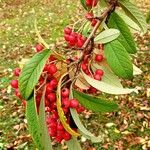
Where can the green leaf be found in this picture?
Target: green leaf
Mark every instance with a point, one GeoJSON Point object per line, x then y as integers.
{"type": "Point", "coordinates": [33, 122]}
{"type": "Point", "coordinates": [106, 87]}
{"type": "Point", "coordinates": [83, 4]}
{"type": "Point", "coordinates": [134, 13]}
{"type": "Point", "coordinates": [118, 59]}
{"type": "Point", "coordinates": [32, 72]}
{"type": "Point", "coordinates": [125, 37]}
{"type": "Point", "coordinates": [80, 126]}
{"type": "Point", "coordinates": [45, 138]}
{"type": "Point", "coordinates": [108, 77]}
{"type": "Point", "coordinates": [94, 103]}
{"type": "Point", "coordinates": [107, 36]}
{"type": "Point", "coordinates": [128, 21]}
{"type": "Point", "coordinates": [73, 144]}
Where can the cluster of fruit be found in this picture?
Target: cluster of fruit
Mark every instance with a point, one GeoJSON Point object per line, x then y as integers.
{"type": "Point", "coordinates": [73, 38]}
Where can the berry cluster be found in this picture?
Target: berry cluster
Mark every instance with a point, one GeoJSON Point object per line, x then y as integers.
{"type": "Point", "coordinates": [73, 38]}
{"type": "Point", "coordinates": [55, 128]}
{"type": "Point", "coordinates": [90, 17]}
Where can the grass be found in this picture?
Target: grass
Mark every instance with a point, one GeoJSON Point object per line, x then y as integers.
{"type": "Point", "coordinates": [17, 39]}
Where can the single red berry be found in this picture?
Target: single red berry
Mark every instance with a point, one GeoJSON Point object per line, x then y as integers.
{"type": "Point", "coordinates": [84, 66]}
{"type": "Point", "coordinates": [49, 88]}
{"type": "Point", "coordinates": [92, 90]}
{"type": "Point", "coordinates": [94, 22]}
{"type": "Point", "coordinates": [52, 132]}
{"type": "Point", "coordinates": [60, 127]}
{"type": "Point", "coordinates": [80, 43]}
{"type": "Point", "coordinates": [88, 3]}
{"type": "Point", "coordinates": [51, 97]}
{"type": "Point", "coordinates": [54, 83]}
{"type": "Point", "coordinates": [89, 16]}
{"type": "Point", "coordinates": [52, 69]}
{"type": "Point", "coordinates": [94, 3]}
{"type": "Point", "coordinates": [53, 125]}
{"type": "Point", "coordinates": [66, 136]}
{"type": "Point", "coordinates": [99, 58]}
{"type": "Point", "coordinates": [65, 92]}
{"type": "Point", "coordinates": [59, 138]}
{"type": "Point", "coordinates": [53, 106]}
{"type": "Point", "coordinates": [17, 72]}
{"type": "Point", "coordinates": [97, 77]}
{"type": "Point", "coordinates": [66, 37]}
{"type": "Point", "coordinates": [52, 58]}
{"type": "Point", "coordinates": [74, 103]}
{"type": "Point", "coordinates": [39, 47]}
{"type": "Point", "coordinates": [17, 93]}
{"type": "Point", "coordinates": [14, 84]}
{"type": "Point", "coordinates": [80, 109]}
{"type": "Point", "coordinates": [67, 30]}
{"type": "Point", "coordinates": [65, 110]}
{"type": "Point", "coordinates": [99, 72]}
{"type": "Point", "coordinates": [66, 102]}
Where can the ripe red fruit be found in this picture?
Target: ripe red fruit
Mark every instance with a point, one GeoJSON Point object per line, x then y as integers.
{"type": "Point", "coordinates": [65, 92]}
{"type": "Point", "coordinates": [84, 66]}
{"type": "Point", "coordinates": [91, 3]}
{"type": "Point", "coordinates": [80, 109]}
{"type": "Point", "coordinates": [100, 72]}
{"type": "Point", "coordinates": [67, 30]}
{"type": "Point", "coordinates": [51, 97]}
{"type": "Point", "coordinates": [52, 69]}
{"type": "Point", "coordinates": [66, 102]}
{"type": "Point", "coordinates": [66, 136]}
{"type": "Point", "coordinates": [97, 77]}
{"type": "Point", "coordinates": [17, 93]}
{"type": "Point", "coordinates": [17, 72]}
{"type": "Point", "coordinates": [92, 90]}
{"type": "Point", "coordinates": [14, 84]}
{"type": "Point", "coordinates": [49, 88]}
{"type": "Point", "coordinates": [53, 83]}
{"type": "Point", "coordinates": [74, 103]}
{"type": "Point", "coordinates": [52, 132]}
{"type": "Point", "coordinates": [66, 37]}
{"type": "Point", "coordinates": [72, 40]}
{"type": "Point", "coordinates": [99, 58]}
{"type": "Point", "coordinates": [80, 43]}
{"type": "Point", "coordinates": [89, 16]}
{"type": "Point", "coordinates": [52, 58]}
{"type": "Point", "coordinates": [39, 47]}
{"type": "Point", "coordinates": [60, 127]}
{"type": "Point", "coordinates": [94, 22]}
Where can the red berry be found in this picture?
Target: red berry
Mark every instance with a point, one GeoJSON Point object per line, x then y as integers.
{"type": "Point", "coordinates": [60, 127]}
{"type": "Point", "coordinates": [80, 43]}
{"type": "Point", "coordinates": [94, 22]}
{"type": "Point", "coordinates": [67, 30]}
{"type": "Point", "coordinates": [17, 93]}
{"type": "Point", "coordinates": [92, 90]}
{"type": "Point", "coordinates": [65, 92]}
{"type": "Point", "coordinates": [51, 97]}
{"type": "Point", "coordinates": [89, 16]}
{"type": "Point", "coordinates": [94, 3]}
{"type": "Point", "coordinates": [52, 69]}
{"type": "Point", "coordinates": [53, 83]}
{"type": "Point", "coordinates": [89, 3]}
{"type": "Point", "coordinates": [65, 110]}
{"type": "Point", "coordinates": [53, 126]}
{"type": "Point", "coordinates": [17, 72]}
{"type": "Point", "coordinates": [80, 109]}
{"type": "Point", "coordinates": [66, 102]}
{"type": "Point", "coordinates": [99, 58]}
{"type": "Point", "coordinates": [52, 132]}
{"type": "Point", "coordinates": [52, 58]}
{"type": "Point", "coordinates": [66, 136]}
{"type": "Point", "coordinates": [49, 88]}
{"type": "Point", "coordinates": [14, 84]}
{"type": "Point", "coordinates": [84, 66]}
{"type": "Point", "coordinates": [66, 37]}
{"type": "Point", "coordinates": [97, 77]}
{"type": "Point", "coordinates": [99, 72]}
{"type": "Point", "coordinates": [74, 103]}
{"type": "Point", "coordinates": [39, 47]}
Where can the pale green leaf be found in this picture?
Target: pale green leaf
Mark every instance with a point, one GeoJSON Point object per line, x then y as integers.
{"type": "Point", "coordinates": [31, 73]}
{"type": "Point", "coordinates": [108, 77]}
{"type": "Point", "coordinates": [73, 144]}
{"type": "Point", "coordinates": [128, 21]}
{"type": "Point", "coordinates": [86, 29]}
{"type": "Point", "coordinates": [33, 122]}
{"type": "Point", "coordinates": [134, 13]}
{"type": "Point", "coordinates": [107, 36]}
{"type": "Point", "coordinates": [125, 38]}
{"type": "Point", "coordinates": [136, 70]}
{"type": "Point", "coordinates": [45, 138]}
{"type": "Point", "coordinates": [106, 87]}
{"type": "Point", "coordinates": [118, 59]}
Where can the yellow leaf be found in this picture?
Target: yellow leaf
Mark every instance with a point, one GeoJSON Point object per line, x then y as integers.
{"type": "Point", "coordinates": [61, 114]}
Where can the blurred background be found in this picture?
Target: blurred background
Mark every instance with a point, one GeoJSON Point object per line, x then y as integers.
{"type": "Point", "coordinates": [127, 129]}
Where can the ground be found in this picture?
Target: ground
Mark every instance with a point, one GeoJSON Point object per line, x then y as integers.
{"type": "Point", "coordinates": [129, 128]}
